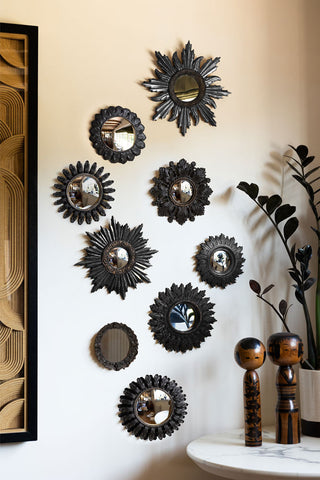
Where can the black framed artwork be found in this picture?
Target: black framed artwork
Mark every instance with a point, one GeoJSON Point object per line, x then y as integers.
{"type": "Point", "coordinates": [18, 232]}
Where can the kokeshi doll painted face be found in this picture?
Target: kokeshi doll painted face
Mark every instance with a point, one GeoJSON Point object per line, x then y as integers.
{"type": "Point", "coordinates": [250, 353]}
{"type": "Point", "coordinates": [285, 349]}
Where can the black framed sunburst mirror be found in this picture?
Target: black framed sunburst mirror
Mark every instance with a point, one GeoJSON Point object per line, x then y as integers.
{"type": "Point", "coordinates": [83, 192]}
{"type": "Point", "coordinates": [152, 407]}
{"type": "Point", "coordinates": [116, 346]}
{"type": "Point", "coordinates": [181, 318]}
{"type": "Point", "coordinates": [117, 134]}
{"type": "Point", "coordinates": [219, 261]}
{"type": "Point", "coordinates": [181, 191]}
{"type": "Point", "coordinates": [116, 258]}
{"type": "Point", "coordinates": [185, 88]}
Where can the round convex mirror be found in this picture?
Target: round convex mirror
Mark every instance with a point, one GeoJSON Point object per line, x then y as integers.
{"type": "Point", "coordinates": [118, 134]}
{"type": "Point", "coordinates": [182, 317]}
{"type": "Point", "coordinates": [153, 406]}
{"type": "Point", "coordinates": [116, 346]}
{"type": "Point", "coordinates": [186, 88]}
{"type": "Point", "coordinates": [220, 261]}
{"type": "Point", "coordinates": [118, 258]}
{"type": "Point", "coordinates": [182, 192]}
{"type": "Point", "coordinates": [84, 192]}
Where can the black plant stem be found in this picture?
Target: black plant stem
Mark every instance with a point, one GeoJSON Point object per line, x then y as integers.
{"type": "Point", "coordinates": [275, 310]}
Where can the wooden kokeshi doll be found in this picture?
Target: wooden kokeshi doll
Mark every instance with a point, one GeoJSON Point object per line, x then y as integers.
{"type": "Point", "coordinates": [286, 349]}
{"type": "Point", "coordinates": [250, 354]}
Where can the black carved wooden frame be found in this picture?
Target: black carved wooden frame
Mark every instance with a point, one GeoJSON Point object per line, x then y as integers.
{"type": "Point", "coordinates": [106, 152]}
{"type": "Point", "coordinates": [161, 191]}
{"type": "Point", "coordinates": [163, 85]}
{"type": "Point", "coordinates": [104, 275]}
{"type": "Point", "coordinates": [66, 206]}
{"type": "Point", "coordinates": [203, 265]}
{"type": "Point", "coordinates": [130, 419]}
{"type": "Point", "coordinates": [132, 352]}
{"type": "Point", "coordinates": [161, 327]}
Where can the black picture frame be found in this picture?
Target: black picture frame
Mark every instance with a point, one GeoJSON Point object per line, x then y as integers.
{"type": "Point", "coordinates": [230, 250]}
{"type": "Point", "coordinates": [161, 313]}
{"type": "Point", "coordinates": [103, 149]}
{"type": "Point", "coordinates": [128, 413]}
{"type": "Point", "coordinates": [170, 70]}
{"type": "Point", "coordinates": [30, 432]}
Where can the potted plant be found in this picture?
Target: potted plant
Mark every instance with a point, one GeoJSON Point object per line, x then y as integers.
{"type": "Point", "coordinates": [278, 212]}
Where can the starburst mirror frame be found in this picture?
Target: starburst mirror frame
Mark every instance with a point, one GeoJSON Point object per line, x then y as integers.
{"type": "Point", "coordinates": [169, 309]}
{"type": "Point", "coordinates": [115, 116]}
{"type": "Point", "coordinates": [70, 185]}
{"type": "Point", "coordinates": [219, 261]}
{"type": "Point", "coordinates": [195, 196]}
{"type": "Point", "coordinates": [117, 258]}
{"type": "Point", "coordinates": [134, 407]}
{"type": "Point", "coordinates": [185, 88]}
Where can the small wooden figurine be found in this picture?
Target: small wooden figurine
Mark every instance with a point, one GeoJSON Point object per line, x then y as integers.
{"type": "Point", "coordinates": [250, 354]}
{"type": "Point", "coordinates": [286, 349]}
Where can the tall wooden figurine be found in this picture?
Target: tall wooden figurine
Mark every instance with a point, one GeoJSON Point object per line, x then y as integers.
{"type": "Point", "coordinates": [250, 354]}
{"type": "Point", "coordinates": [286, 349]}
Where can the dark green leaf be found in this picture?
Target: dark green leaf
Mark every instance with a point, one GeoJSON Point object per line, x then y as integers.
{"type": "Point", "coordinates": [283, 212]}
{"type": "Point", "coordinates": [299, 295]}
{"type": "Point", "coordinates": [300, 179]}
{"type": "Point", "coordinates": [311, 171]}
{"type": "Point", "coordinates": [255, 286]}
{"type": "Point", "coordinates": [253, 190]}
{"type": "Point", "coordinates": [244, 186]}
{"type": "Point", "coordinates": [290, 227]}
{"type": "Point", "coordinates": [273, 202]}
{"type": "Point", "coordinates": [262, 199]}
{"type": "Point", "coordinates": [308, 284]}
{"type": "Point", "coordinates": [267, 289]}
{"type": "Point", "coordinates": [283, 307]}
{"type": "Point", "coordinates": [307, 161]}
{"type": "Point", "coordinates": [294, 168]}
{"type": "Point", "coordinates": [293, 274]}
{"type": "Point", "coordinates": [292, 252]}
{"type": "Point", "coordinates": [302, 151]}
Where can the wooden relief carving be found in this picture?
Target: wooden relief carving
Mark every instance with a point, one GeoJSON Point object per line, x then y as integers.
{"type": "Point", "coordinates": [18, 135]}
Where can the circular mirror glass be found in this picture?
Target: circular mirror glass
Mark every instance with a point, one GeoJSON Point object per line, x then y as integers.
{"type": "Point", "coordinates": [114, 345]}
{"type": "Point", "coordinates": [153, 406]}
{"type": "Point", "coordinates": [84, 192]}
{"type": "Point", "coordinates": [220, 261]}
{"type": "Point", "coordinates": [186, 88]}
{"type": "Point", "coordinates": [182, 317]}
{"type": "Point", "coordinates": [182, 192]}
{"type": "Point", "coordinates": [118, 134]}
{"type": "Point", "coordinates": [118, 257]}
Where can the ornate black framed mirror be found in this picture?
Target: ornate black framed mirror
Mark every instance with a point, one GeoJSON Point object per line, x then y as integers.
{"type": "Point", "coordinates": [181, 191]}
{"type": "Point", "coordinates": [181, 318]}
{"type": "Point", "coordinates": [83, 192]}
{"type": "Point", "coordinates": [117, 134]}
{"type": "Point", "coordinates": [152, 407]}
{"type": "Point", "coordinates": [116, 346]}
{"type": "Point", "coordinates": [117, 258]}
{"type": "Point", "coordinates": [185, 88]}
{"type": "Point", "coordinates": [219, 261]}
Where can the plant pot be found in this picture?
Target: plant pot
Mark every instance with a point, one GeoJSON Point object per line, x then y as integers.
{"type": "Point", "coordinates": [310, 402]}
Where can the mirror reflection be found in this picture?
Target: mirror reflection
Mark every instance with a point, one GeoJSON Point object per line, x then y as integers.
{"type": "Point", "coordinates": [182, 317]}
{"type": "Point", "coordinates": [114, 345]}
{"type": "Point", "coordinates": [182, 192]}
{"type": "Point", "coordinates": [220, 261]}
{"type": "Point", "coordinates": [118, 257]}
{"type": "Point", "coordinates": [118, 134]}
{"type": "Point", "coordinates": [83, 192]}
{"type": "Point", "coordinates": [186, 88]}
{"type": "Point", "coordinates": [153, 406]}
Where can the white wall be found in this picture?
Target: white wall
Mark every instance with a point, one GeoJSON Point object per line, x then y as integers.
{"type": "Point", "coordinates": [95, 54]}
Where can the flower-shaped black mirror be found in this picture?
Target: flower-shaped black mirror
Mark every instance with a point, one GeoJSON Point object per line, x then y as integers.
{"type": "Point", "coordinates": [117, 134]}
{"type": "Point", "coordinates": [152, 407]}
{"type": "Point", "coordinates": [117, 258]}
{"type": "Point", "coordinates": [185, 88]}
{"type": "Point", "coordinates": [219, 261]}
{"type": "Point", "coordinates": [181, 191]}
{"type": "Point", "coordinates": [116, 346]}
{"type": "Point", "coordinates": [83, 192]}
{"type": "Point", "coordinates": [181, 318]}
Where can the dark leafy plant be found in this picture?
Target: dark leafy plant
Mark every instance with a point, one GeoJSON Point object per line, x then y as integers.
{"type": "Point", "coordinates": [277, 212]}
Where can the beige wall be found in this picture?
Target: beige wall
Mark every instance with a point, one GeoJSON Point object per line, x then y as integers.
{"type": "Point", "coordinates": [94, 54]}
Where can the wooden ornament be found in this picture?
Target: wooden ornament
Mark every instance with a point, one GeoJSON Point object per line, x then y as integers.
{"type": "Point", "coordinates": [286, 349]}
{"type": "Point", "coordinates": [250, 354]}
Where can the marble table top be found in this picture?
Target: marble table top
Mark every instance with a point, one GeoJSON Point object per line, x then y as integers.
{"type": "Point", "coordinates": [227, 456]}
